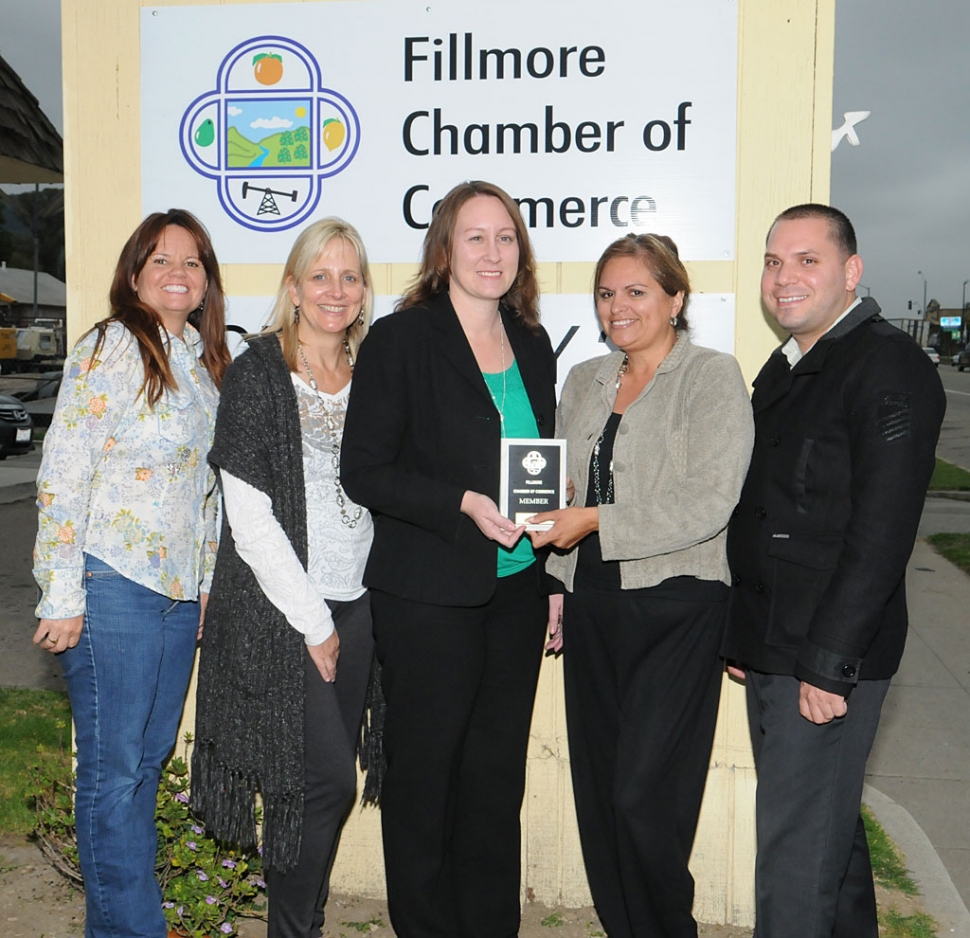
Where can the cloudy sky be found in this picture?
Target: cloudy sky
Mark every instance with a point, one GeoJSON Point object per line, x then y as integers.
{"type": "Point", "coordinates": [906, 187]}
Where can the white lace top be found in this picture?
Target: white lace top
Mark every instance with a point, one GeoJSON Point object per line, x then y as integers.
{"type": "Point", "coordinates": [337, 552]}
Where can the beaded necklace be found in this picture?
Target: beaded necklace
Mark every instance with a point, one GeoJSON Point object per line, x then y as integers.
{"type": "Point", "coordinates": [330, 422]}
{"type": "Point", "coordinates": [597, 482]}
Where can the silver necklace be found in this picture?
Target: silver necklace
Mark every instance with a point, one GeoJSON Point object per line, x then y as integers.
{"type": "Point", "coordinates": [597, 484]}
{"type": "Point", "coordinates": [608, 500]}
{"type": "Point", "coordinates": [330, 422]}
{"type": "Point", "coordinates": [501, 410]}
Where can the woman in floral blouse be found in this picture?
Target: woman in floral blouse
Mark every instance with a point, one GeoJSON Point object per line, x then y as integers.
{"type": "Point", "coordinates": [126, 547]}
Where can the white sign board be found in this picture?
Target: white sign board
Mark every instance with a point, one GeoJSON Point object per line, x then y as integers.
{"type": "Point", "coordinates": [599, 118]}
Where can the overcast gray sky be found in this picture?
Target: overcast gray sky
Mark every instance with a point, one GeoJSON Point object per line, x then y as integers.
{"type": "Point", "coordinates": [906, 187]}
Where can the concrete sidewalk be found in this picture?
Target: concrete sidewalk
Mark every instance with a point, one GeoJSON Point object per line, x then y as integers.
{"type": "Point", "coordinates": [919, 772]}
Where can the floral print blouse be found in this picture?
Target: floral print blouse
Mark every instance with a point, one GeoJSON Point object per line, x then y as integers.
{"type": "Point", "coordinates": [126, 483]}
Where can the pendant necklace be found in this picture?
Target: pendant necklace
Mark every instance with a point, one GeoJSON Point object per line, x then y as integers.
{"type": "Point", "coordinates": [330, 423]}
{"type": "Point", "coordinates": [501, 410]}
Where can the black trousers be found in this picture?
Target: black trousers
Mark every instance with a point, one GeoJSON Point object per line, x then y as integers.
{"type": "Point", "coordinates": [643, 680]}
{"type": "Point", "coordinates": [812, 875]}
{"type": "Point", "coordinates": [460, 686]}
{"type": "Point", "coordinates": [332, 721]}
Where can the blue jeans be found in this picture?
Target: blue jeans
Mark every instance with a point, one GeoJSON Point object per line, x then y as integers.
{"type": "Point", "coordinates": [126, 679]}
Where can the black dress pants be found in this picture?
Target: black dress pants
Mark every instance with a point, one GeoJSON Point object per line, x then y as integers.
{"type": "Point", "coordinates": [643, 680]}
{"type": "Point", "coordinates": [460, 686]}
{"type": "Point", "coordinates": [813, 878]}
{"type": "Point", "coordinates": [332, 716]}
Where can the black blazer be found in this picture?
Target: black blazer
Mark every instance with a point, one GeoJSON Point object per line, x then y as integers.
{"type": "Point", "coordinates": [818, 545]}
{"type": "Point", "coordinates": [422, 429]}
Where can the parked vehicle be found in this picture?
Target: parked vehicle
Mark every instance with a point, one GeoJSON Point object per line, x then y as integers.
{"type": "Point", "coordinates": [933, 354]}
{"type": "Point", "coordinates": [963, 359]}
{"type": "Point", "coordinates": [16, 427]}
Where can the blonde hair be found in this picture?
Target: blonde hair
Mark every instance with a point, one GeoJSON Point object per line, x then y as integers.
{"type": "Point", "coordinates": [310, 244]}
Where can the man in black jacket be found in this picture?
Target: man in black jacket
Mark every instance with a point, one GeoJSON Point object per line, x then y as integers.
{"type": "Point", "coordinates": [847, 415]}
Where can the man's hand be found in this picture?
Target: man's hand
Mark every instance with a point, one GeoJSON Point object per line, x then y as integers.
{"type": "Point", "coordinates": [820, 706]}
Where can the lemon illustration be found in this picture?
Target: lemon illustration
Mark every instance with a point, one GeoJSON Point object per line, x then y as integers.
{"type": "Point", "coordinates": [334, 133]}
{"type": "Point", "coordinates": [205, 133]}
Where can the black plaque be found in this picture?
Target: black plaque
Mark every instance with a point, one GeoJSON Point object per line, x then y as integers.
{"type": "Point", "coordinates": [533, 479]}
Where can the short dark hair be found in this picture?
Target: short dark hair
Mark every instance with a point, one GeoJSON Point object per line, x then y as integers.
{"type": "Point", "coordinates": [840, 228]}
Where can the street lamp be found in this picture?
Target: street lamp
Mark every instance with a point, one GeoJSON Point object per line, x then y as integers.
{"type": "Point", "coordinates": [924, 292]}
{"type": "Point", "coordinates": [963, 305]}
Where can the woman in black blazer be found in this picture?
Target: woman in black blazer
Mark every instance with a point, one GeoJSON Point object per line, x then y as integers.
{"type": "Point", "coordinates": [459, 616]}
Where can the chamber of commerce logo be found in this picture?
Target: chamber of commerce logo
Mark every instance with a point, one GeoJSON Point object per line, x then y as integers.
{"type": "Point", "coordinates": [269, 133]}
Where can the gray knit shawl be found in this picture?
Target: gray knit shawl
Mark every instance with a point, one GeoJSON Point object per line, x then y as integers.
{"type": "Point", "coordinates": [249, 721]}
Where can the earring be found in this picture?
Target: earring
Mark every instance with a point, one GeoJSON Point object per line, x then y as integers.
{"type": "Point", "coordinates": [673, 321]}
{"type": "Point", "coordinates": [360, 318]}
{"type": "Point", "coordinates": [296, 315]}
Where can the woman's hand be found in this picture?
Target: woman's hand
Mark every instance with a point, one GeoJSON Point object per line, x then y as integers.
{"type": "Point", "coordinates": [56, 635]}
{"type": "Point", "coordinates": [570, 526]}
{"type": "Point", "coordinates": [555, 623]}
{"type": "Point", "coordinates": [484, 512]}
{"type": "Point", "coordinates": [203, 602]}
{"type": "Point", "coordinates": [325, 657]}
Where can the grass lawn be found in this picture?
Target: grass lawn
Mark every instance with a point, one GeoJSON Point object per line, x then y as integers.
{"type": "Point", "coordinates": [949, 478]}
{"type": "Point", "coordinates": [35, 729]}
{"type": "Point", "coordinates": [955, 547]}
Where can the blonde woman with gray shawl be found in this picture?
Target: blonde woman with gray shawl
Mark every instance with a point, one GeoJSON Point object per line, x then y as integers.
{"type": "Point", "coordinates": [287, 648]}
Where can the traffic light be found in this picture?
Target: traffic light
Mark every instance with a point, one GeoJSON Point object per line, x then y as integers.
{"type": "Point", "coordinates": [909, 305]}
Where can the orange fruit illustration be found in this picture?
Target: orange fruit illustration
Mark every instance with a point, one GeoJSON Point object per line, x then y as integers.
{"type": "Point", "coordinates": [334, 133]}
{"type": "Point", "coordinates": [268, 68]}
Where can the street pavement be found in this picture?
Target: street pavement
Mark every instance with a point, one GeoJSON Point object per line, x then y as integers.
{"type": "Point", "coordinates": [919, 771]}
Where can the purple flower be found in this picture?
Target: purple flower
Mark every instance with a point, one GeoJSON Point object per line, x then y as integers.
{"type": "Point", "coordinates": [168, 905]}
{"type": "Point", "coordinates": [225, 928]}
{"type": "Point", "coordinates": [197, 830]}
{"type": "Point", "coordinates": [180, 910]}
{"type": "Point", "coordinates": [229, 864]}
{"type": "Point", "coordinates": [192, 845]}
{"type": "Point", "coordinates": [183, 797]}
{"type": "Point", "coordinates": [210, 900]}
{"type": "Point", "coordinates": [222, 882]}
{"type": "Point", "coordinates": [259, 849]}
{"type": "Point", "coordinates": [260, 882]}
{"type": "Point", "coordinates": [202, 877]}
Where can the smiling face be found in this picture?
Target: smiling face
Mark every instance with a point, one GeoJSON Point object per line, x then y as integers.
{"type": "Point", "coordinates": [808, 281]}
{"type": "Point", "coordinates": [485, 253]}
{"type": "Point", "coordinates": [173, 280]}
{"type": "Point", "coordinates": [331, 292]}
{"type": "Point", "coordinates": [633, 309]}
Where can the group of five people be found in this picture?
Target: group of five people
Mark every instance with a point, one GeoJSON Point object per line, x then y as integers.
{"type": "Point", "coordinates": [360, 482]}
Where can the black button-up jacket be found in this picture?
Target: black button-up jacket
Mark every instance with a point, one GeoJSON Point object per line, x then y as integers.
{"type": "Point", "coordinates": [818, 545]}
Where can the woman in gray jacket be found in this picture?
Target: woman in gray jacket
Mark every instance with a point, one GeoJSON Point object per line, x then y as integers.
{"type": "Point", "coordinates": [659, 436]}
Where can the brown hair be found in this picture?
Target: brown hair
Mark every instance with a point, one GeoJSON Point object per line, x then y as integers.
{"type": "Point", "coordinates": [143, 322]}
{"type": "Point", "coordinates": [660, 256]}
{"type": "Point", "coordinates": [435, 272]}
{"type": "Point", "coordinates": [310, 244]}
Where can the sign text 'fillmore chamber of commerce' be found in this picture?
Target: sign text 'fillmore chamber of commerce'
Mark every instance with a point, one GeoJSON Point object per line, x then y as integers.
{"type": "Point", "coordinates": [597, 118]}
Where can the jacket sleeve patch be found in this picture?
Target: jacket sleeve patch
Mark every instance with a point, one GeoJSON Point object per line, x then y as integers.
{"type": "Point", "coordinates": [894, 418]}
